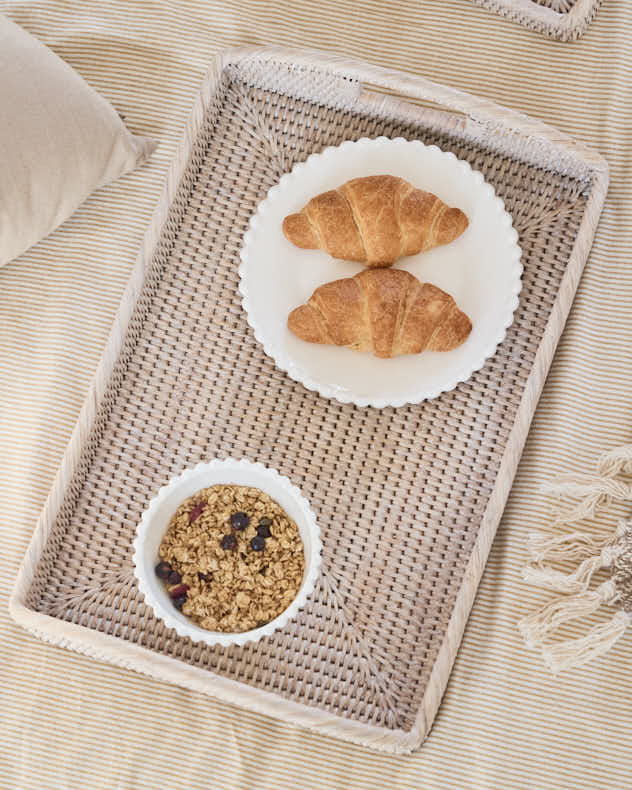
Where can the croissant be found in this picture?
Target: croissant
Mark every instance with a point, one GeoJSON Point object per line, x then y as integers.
{"type": "Point", "coordinates": [386, 311]}
{"type": "Point", "coordinates": [374, 220]}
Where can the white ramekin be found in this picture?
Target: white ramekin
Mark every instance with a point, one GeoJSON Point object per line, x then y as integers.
{"type": "Point", "coordinates": [155, 520]}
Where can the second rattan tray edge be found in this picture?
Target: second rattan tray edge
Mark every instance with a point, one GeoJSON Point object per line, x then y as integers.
{"type": "Point", "coordinates": [562, 27]}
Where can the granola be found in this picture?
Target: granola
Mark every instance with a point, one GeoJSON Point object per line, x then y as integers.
{"type": "Point", "coordinates": [232, 559]}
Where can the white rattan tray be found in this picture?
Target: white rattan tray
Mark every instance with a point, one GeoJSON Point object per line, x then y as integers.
{"type": "Point", "coordinates": [407, 499]}
{"type": "Point", "coordinates": [565, 20]}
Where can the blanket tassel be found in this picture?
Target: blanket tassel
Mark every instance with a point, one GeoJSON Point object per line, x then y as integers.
{"type": "Point", "coordinates": [575, 652]}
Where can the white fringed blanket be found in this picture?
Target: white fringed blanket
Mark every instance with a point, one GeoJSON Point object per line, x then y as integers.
{"type": "Point", "coordinates": [578, 596]}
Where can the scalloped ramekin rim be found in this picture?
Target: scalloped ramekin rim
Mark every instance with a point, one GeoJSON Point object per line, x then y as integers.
{"type": "Point", "coordinates": [331, 392]}
{"type": "Point", "coordinates": [180, 624]}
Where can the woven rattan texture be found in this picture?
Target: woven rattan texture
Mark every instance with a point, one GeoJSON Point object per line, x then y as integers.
{"type": "Point", "coordinates": [560, 6]}
{"type": "Point", "coordinates": [399, 493]}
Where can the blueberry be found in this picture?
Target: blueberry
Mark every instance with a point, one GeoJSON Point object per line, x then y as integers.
{"type": "Point", "coordinates": [174, 578]}
{"type": "Point", "coordinates": [179, 602]}
{"type": "Point", "coordinates": [163, 569]}
{"type": "Point", "coordinates": [263, 530]}
{"type": "Point", "coordinates": [239, 521]}
{"type": "Point", "coordinates": [229, 542]}
{"type": "Point", "coordinates": [258, 543]}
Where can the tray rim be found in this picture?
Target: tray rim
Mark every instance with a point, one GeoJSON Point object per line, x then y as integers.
{"type": "Point", "coordinates": [565, 27]}
{"type": "Point", "coordinates": [145, 661]}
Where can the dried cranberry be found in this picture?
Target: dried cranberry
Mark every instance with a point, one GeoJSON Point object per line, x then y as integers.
{"type": "Point", "coordinates": [239, 521]}
{"type": "Point", "coordinates": [229, 542]}
{"type": "Point", "coordinates": [263, 530]}
{"type": "Point", "coordinates": [174, 578]}
{"type": "Point", "coordinates": [204, 577]}
{"type": "Point", "coordinates": [179, 590]}
{"type": "Point", "coordinates": [197, 510]}
{"type": "Point", "coordinates": [163, 569]}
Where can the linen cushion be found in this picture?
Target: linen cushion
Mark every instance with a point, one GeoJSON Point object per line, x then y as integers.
{"type": "Point", "coordinates": [59, 140]}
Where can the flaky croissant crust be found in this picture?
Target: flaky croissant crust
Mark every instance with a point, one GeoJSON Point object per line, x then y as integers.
{"type": "Point", "coordinates": [386, 311]}
{"type": "Point", "coordinates": [374, 220]}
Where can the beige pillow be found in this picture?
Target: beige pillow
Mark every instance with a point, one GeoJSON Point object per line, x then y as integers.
{"type": "Point", "coordinates": [59, 140]}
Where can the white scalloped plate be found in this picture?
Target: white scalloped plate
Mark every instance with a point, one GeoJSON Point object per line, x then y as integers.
{"type": "Point", "coordinates": [481, 269]}
{"type": "Point", "coordinates": [155, 520]}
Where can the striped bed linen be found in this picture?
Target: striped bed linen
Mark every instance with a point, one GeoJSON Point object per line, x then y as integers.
{"type": "Point", "coordinates": [505, 722]}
